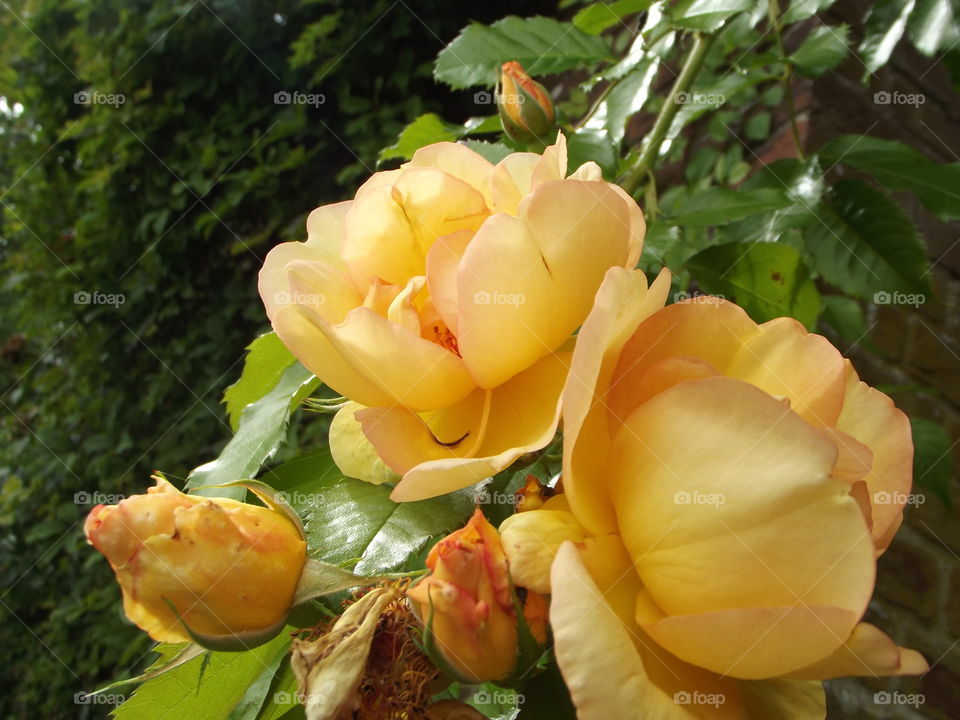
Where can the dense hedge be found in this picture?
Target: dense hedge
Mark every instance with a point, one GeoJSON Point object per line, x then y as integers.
{"type": "Point", "coordinates": [169, 200]}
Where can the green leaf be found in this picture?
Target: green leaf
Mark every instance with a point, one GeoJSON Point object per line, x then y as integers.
{"type": "Point", "coordinates": [823, 49]}
{"type": "Point", "coordinates": [804, 186]}
{"type": "Point", "coordinates": [586, 145]}
{"type": "Point", "coordinates": [716, 205]}
{"type": "Point", "coordinates": [706, 15]}
{"type": "Point", "coordinates": [932, 459]}
{"type": "Point", "coordinates": [845, 315]}
{"type": "Point", "coordinates": [494, 152]}
{"type": "Point", "coordinates": [425, 130]}
{"type": "Point", "coordinates": [180, 693]}
{"type": "Point", "coordinates": [546, 697]}
{"type": "Point", "coordinates": [864, 244]}
{"type": "Point", "coordinates": [900, 167]}
{"type": "Point", "coordinates": [348, 519]}
{"type": "Point", "coordinates": [626, 99]}
{"type": "Point", "coordinates": [267, 358]}
{"type": "Point", "coordinates": [256, 696]}
{"type": "Point", "coordinates": [757, 126]}
{"type": "Point", "coordinates": [882, 31]}
{"type": "Point", "coordinates": [263, 427]}
{"type": "Point", "coordinates": [594, 19]}
{"type": "Point", "coordinates": [543, 46]}
{"type": "Point", "coordinates": [767, 280]}
{"type": "Point", "coordinates": [803, 9]}
{"type": "Point", "coordinates": [932, 25]}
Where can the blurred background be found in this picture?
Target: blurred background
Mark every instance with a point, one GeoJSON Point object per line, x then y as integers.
{"type": "Point", "coordinates": [150, 156]}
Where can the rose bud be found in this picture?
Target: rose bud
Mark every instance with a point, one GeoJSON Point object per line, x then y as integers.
{"type": "Point", "coordinates": [526, 109]}
{"type": "Point", "coordinates": [214, 570]}
{"type": "Point", "coordinates": [467, 605]}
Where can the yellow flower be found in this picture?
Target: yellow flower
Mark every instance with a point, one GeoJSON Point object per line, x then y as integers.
{"type": "Point", "coordinates": [228, 568]}
{"type": "Point", "coordinates": [442, 299]}
{"type": "Point", "coordinates": [467, 603]}
{"type": "Point", "coordinates": [728, 487]}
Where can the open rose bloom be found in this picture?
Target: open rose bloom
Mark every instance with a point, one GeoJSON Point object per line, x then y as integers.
{"type": "Point", "coordinates": [726, 495]}
{"type": "Point", "coordinates": [442, 301]}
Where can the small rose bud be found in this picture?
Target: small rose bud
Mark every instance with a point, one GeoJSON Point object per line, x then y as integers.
{"type": "Point", "coordinates": [526, 109]}
{"type": "Point", "coordinates": [467, 604]}
{"type": "Point", "coordinates": [192, 566]}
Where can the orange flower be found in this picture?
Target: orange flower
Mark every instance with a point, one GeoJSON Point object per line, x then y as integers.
{"type": "Point", "coordinates": [229, 568]}
{"type": "Point", "coordinates": [467, 604]}
{"type": "Point", "coordinates": [727, 488]}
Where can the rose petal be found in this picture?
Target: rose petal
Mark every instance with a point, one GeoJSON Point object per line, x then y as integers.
{"type": "Point", "coordinates": [622, 303]}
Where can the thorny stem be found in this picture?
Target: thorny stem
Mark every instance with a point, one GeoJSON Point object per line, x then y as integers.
{"type": "Point", "coordinates": [689, 72]}
{"type": "Point", "coordinates": [773, 10]}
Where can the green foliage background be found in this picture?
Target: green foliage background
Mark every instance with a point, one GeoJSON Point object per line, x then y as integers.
{"type": "Point", "coordinates": [170, 199]}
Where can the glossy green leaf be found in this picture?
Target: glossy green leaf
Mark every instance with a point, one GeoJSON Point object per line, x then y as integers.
{"type": "Point", "coordinates": [542, 45]}
{"type": "Point", "coordinates": [494, 152]}
{"type": "Point", "coordinates": [180, 693]}
{"type": "Point", "coordinates": [267, 358]}
{"type": "Point", "coordinates": [932, 459]}
{"type": "Point", "coordinates": [627, 98]}
{"type": "Point", "coordinates": [900, 167]}
{"type": "Point", "coordinates": [933, 26]}
{"type": "Point", "coordinates": [706, 15]}
{"type": "Point", "coordinates": [803, 184]}
{"type": "Point", "coordinates": [767, 280]}
{"type": "Point", "coordinates": [347, 519]}
{"type": "Point", "coordinates": [591, 145]}
{"type": "Point", "coordinates": [595, 18]}
{"type": "Point", "coordinates": [883, 29]}
{"type": "Point", "coordinates": [823, 49]}
{"type": "Point", "coordinates": [263, 426]}
{"type": "Point", "coordinates": [803, 9]}
{"type": "Point", "coordinates": [425, 130]}
{"type": "Point", "coordinates": [864, 244]}
{"type": "Point", "coordinates": [716, 205]}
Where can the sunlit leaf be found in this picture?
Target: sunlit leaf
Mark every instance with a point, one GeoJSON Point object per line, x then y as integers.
{"type": "Point", "coordinates": [767, 280]}
{"type": "Point", "coordinates": [542, 45]}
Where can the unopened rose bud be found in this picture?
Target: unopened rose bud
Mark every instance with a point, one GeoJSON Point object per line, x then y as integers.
{"type": "Point", "coordinates": [222, 568]}
{"type": "Point", "coordinates": [531, 495]}
{"type": "Point", "coordinates": [467, 604]}
{"type": "Point", "coordinates": [526, 109]}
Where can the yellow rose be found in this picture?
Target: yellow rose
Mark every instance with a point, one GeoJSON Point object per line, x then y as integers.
{"type": "Point", "coordinates": [728, 487]}
{"type": "Point", "coordinates": [228, 568]}
{"type": "Point", "coordinates": [467, 603]}
{"type": "Point", "coordinates": [441, 299]}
